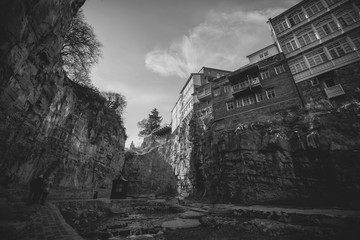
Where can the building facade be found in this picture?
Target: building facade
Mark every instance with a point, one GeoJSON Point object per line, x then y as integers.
{"type": "Point", "coordinates": [263, 86]}
{"type": "Point", "coordinates": [321, 41]}
{"type": "Point", "coordinates": [196, 89]}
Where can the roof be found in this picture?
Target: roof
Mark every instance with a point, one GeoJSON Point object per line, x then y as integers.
{"type": "Point", "coordinates": [243, 69]}
{"type": "Point", "coordinates": [192, 74]}
{"type": "Point", "coordinates": [215, 69]}
{"type": "Point", "coordinates": [162, 129]}
{"type": "Point", "coordinates": [268, 47]}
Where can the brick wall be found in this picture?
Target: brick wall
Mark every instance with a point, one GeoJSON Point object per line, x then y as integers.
{"type": "Point", "coordinates": [286, 93]}
{"type": "Point", "coordinates": [348, 77]}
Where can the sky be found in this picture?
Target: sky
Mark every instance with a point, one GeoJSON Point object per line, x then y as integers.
{"type": "Point", "coordinates": [150, 47]}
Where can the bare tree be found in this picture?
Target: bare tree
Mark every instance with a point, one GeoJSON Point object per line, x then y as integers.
{"type": "Point", "coordinates": [81, 50]}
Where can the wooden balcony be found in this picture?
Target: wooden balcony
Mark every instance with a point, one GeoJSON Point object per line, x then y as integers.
{"type": "Point", "coordinates": [246, 85]}
{"type": "Point", "coordinates": [323, 40]}
{"type": "Point", "coordinates": [334, 91]}
{"type": "Point", "coordinates": [312, 18]}
{"type": "Point", "coordinates": [204, 94]}
{"type": "Point", "coordinates": [327, 66]}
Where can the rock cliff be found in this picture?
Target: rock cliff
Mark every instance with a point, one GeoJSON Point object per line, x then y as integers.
{"type": "Point", "coordinates": [148, 170]}
{"type": "Point", "coordinates": [296, 156]}
{"type": "Point", "coordinates": [49, 124]}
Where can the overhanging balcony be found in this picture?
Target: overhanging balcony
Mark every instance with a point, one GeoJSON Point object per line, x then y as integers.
{"type": "Point", "coordinates": [334, 91]}
{"type": "Point", "coordinates": [247, 85]}
{"type": "Point", "coordinates": [327, 66]}
{"type": "Point", "coordinates": [312, 18]}
{"type": "Point", "coordinates": [204, 94]}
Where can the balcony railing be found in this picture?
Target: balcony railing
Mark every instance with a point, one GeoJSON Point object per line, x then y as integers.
{"type": "Point", "coordinates": [326, 66]}
{"type": "Point", "coordinates": [292, 28]}
{"type": "Point", "coordinates": [334, 91]}
{"type": "Point", "coordinates": [324, 39]}
{"type": "Point", "coordinates": [246, 84]}
{"type": "Point", "coordinates": [204, 93]}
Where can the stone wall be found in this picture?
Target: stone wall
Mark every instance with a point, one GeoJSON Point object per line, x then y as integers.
{"type": "Point", "coordinates": [301, 157]}
{"type": "Point", "coordinates": [49, 125]}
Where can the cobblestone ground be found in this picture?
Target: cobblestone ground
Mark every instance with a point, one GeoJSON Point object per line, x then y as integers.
{"type": "Point", "coordinates": [48, 224]}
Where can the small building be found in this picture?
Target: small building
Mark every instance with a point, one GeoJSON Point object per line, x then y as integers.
{"type": "Point", "coordinates": [321, 41]}
{"type": "Point", "coordinates": [119, 188]}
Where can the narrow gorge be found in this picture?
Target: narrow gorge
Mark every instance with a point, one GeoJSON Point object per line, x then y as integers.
{"type": "Point", "coordinates": [288, 173]}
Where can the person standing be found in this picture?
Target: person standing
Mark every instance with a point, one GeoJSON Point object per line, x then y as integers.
{"type": "Point", "coordinates": [32, 191]}
{"type": "Point", "coordinates": [45, 190]}
{"type": "Point", "coordinates": [38, 187]}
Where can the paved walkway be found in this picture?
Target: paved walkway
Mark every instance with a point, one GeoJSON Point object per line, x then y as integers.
{"type": "Point", "coordinates": [48, 224]}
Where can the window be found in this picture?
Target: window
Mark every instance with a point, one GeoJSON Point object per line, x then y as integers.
{"type": "Point", "coordinates": [264, 54]}
{"type": "Point", "coordinates": [265, 74]}
{"type": "Point", "coordinates": [259, 97]}
{"type": "Point", "coordinates": [290, 46]}
{"type": "Point", "coordinates": [248, 100]}
{"type": "Point", "coordinates": [239, 102]}
{"type": "Point", "coordinates": [297, 18]}
{"type": "Point", "coordinates": [229, 106]}
{"type": "Point", "coordinates": [355, 38]}
{"type": "Point", "coordinates": [227, 89]}
{"type": "Point", "coordinates": [329, 83]}
{"type": "Point", "coordinates": [270, 93]}
{"type": "Point", "coordinates": [279, 69]}
{"type": "Point", "coordinates": [327, 29]}
{"type": "Point", "coordinates": [332, 2]}
{"type": "Point", "coordinates": [348, 18]}
{"type": "Point", "coordinates": [339, 48]}
{"type": "Point", "coordinates": [281, 27]}
{"type": "Point", "coordinates": [314, 8]}
{"type": "Point", "coordinates": [317, 57]}
{"type": "Point", "coordinates": [307, 38]}
{"type": "Point", "coordinates": [314, 82]}
{"type": "Point", "coordinates": [298, 65]}
{"type": "Point", "coordinates": [216, 91]}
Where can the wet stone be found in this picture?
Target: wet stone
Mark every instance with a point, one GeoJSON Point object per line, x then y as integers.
{"type": "Point", "coordinates": [191, 215]}
{"type": "Point", "coordinates": [181, 224]}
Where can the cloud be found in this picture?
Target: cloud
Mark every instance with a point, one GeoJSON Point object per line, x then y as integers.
{"type": "Point", "coordinates": [223, 41]}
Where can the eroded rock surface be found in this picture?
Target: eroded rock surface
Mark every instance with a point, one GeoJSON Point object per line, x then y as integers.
{"type": "Point", "coordinates": [48, 124]}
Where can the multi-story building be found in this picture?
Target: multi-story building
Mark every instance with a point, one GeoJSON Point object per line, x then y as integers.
{"type": "Point", "coordinates": [196, 88]}
{"type": "Point", "coordinates": [321, 41]}
{"type": "Point", "coordinates": [264, 85]}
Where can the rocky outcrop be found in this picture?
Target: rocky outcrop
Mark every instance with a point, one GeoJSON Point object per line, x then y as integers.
{"type": "Point", "coordinates": [148, 170]}
{"type": "Point", "coordinates": [305, 156]}
{"type": "Point", "coordinates": [48, 124]}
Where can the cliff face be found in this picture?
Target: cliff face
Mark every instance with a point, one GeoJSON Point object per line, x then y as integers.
{"type": "Point", "coordinates": [148, 171]}
{"type": "Point", "coordinates": [48, 124]}
{"type": "Point", "coordinates": [305, 156]}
